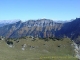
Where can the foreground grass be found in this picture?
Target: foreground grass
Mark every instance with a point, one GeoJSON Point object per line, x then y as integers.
{"type": "Point", "coordinates": [37, 50]}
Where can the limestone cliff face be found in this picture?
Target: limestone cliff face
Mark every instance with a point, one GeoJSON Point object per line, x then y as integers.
{"type": "Point", "coordinates": [76, 49]}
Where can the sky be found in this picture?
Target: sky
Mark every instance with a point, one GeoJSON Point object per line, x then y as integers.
{"type": "Point", "coordinates": [37, 9]}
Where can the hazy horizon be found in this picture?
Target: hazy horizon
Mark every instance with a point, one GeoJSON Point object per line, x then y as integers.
{"type": "Point", "coordinates": [14, 20]}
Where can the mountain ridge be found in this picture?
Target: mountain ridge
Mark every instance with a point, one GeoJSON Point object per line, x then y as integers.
{"type": "Point", "coordinates": [41, 28]}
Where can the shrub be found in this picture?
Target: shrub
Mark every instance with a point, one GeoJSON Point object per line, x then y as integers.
{"type": "Point", "coordinates": [58, 46]}
{"type": "Point", "coordinates": [46, 39]}
{"type": "Point", "coordinates": [9, 42]}
{"type": "Point", "coordinates": [33, 39]}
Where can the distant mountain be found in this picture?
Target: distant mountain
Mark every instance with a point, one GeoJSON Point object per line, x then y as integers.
{"type": "Point", "coordinates": [1, 25]}
{"type": "Point", "coordinates": [6, 22]}
{"type": "Point", "coordinates": [62, 21]}
{"type": "Point", "coordinates": [42, 28]}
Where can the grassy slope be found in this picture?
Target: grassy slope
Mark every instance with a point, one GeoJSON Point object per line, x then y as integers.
{"type": "Point", "coordinates": [42, 50]}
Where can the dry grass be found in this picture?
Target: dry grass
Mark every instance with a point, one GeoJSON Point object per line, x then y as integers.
{"type": "Point", "coordinates": [37, 50]}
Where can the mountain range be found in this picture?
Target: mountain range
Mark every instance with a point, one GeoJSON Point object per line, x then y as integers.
{"type": "Point", "coordinates": [6, 22]}
{"type": "Point", "coordinates": [42, 28]}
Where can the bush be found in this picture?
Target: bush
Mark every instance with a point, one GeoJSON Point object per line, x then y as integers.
{"type": "Point", "coordinates": [46, 39]}
{"type": "Point", "coordinates": [9, 42]}
{"type": "Point", "coordinates": [33, 39]}
{"type": "Point", "coordinates": [17, 41]}
{"type": "Point", "coordinates": [58, 46]}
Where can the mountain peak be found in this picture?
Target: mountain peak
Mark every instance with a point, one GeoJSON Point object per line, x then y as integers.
{"type": "Point", "coordinates": [19, 21]}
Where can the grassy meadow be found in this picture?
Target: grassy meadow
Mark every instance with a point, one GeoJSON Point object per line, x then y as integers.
{"type": "Point", "coordinates": [37, 49]}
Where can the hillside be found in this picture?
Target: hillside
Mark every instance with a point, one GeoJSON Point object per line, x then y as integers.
{"type": "Point", "coordinates": [28, 48]}
{"type": "Point", "coordinates": [71, 30]}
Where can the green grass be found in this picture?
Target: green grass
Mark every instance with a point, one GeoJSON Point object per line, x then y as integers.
{"type": "Point", "coordinates": [43, 50]}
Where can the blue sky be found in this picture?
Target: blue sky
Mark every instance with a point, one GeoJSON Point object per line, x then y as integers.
{"type": "Point", "coordinates": [36, 9]}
